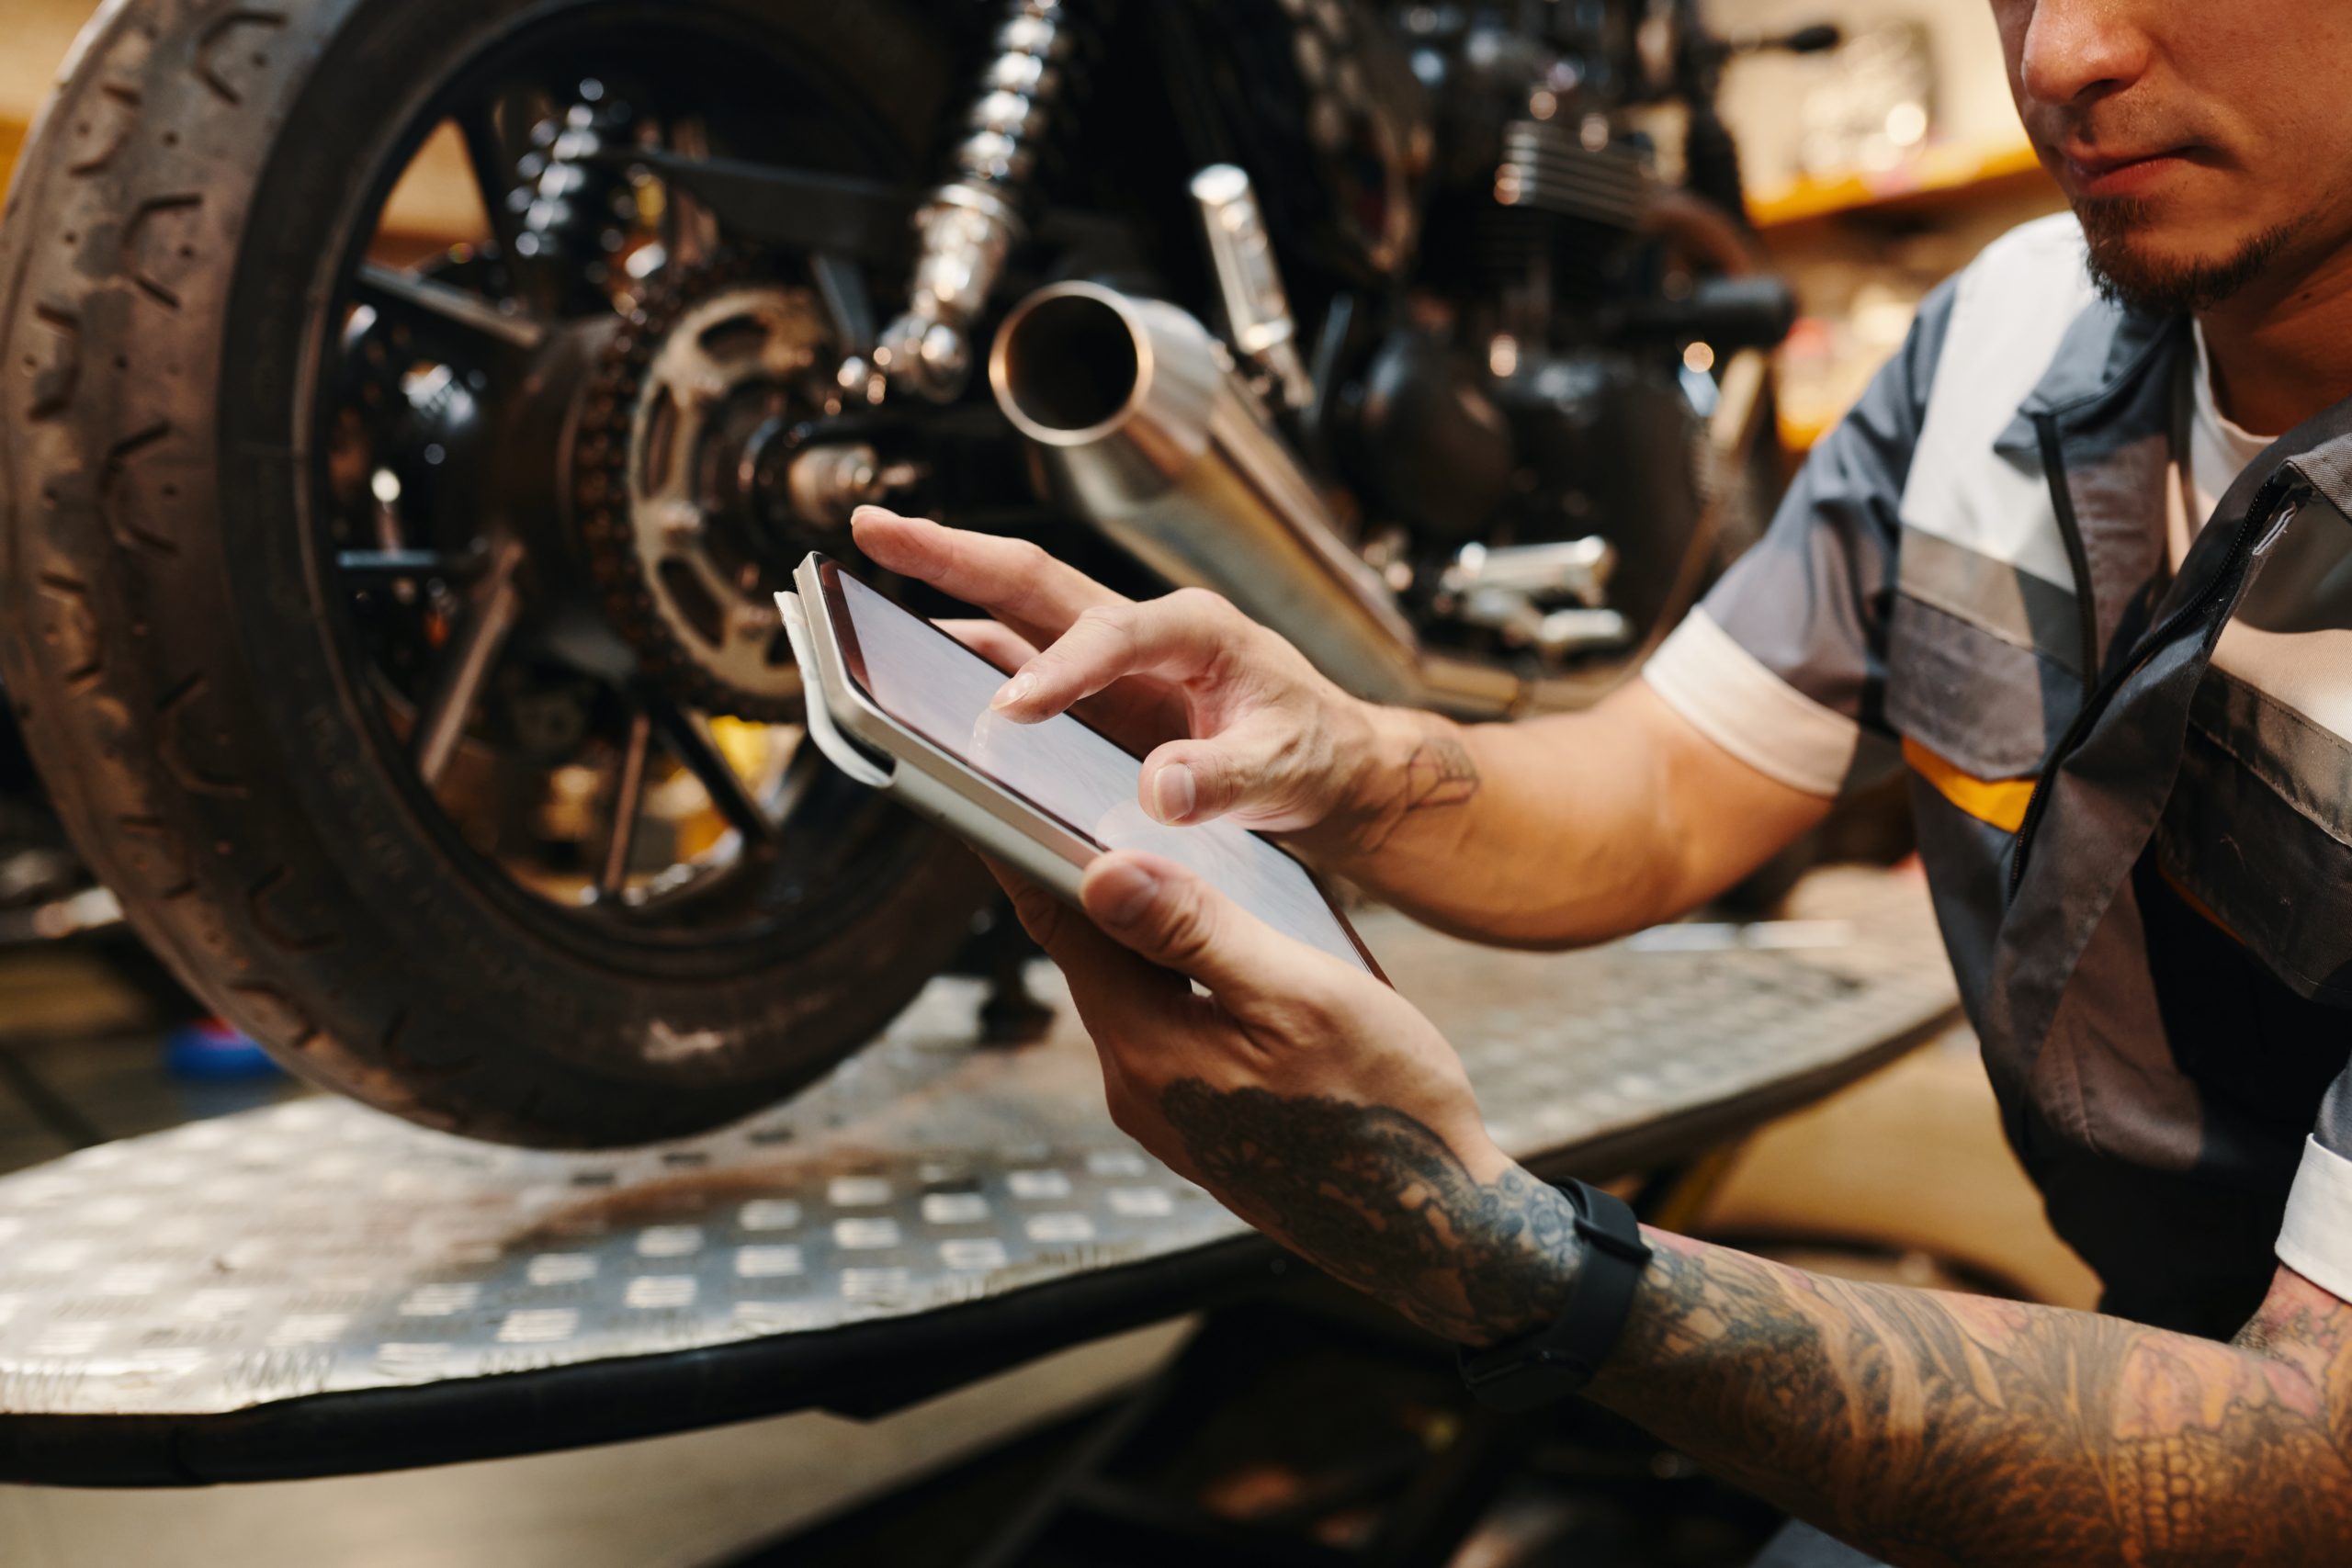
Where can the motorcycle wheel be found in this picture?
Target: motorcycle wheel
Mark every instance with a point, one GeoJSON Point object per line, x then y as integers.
{"type": "Point", "coordinates": [217, 712]}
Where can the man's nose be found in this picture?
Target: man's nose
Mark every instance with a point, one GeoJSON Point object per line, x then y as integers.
{"type": "Point", "coordinates": [2082, 48]}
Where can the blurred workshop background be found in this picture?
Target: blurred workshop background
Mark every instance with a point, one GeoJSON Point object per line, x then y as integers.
{"type": "Point", "coordinates": [1877, 170]}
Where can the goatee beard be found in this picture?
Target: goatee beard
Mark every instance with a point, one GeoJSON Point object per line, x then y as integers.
{"type": "Point", "coordinates": [2165, 288]}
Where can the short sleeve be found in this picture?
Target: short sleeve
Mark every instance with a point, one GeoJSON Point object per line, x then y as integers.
{"type": "Point", "coordinates": [2316, 1238]}
{"type": "Point", "coordinates": [1784, 664]}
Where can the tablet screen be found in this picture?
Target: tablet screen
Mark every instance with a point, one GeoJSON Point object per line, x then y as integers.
{"type": "Point", "coordinates": [940, 689]}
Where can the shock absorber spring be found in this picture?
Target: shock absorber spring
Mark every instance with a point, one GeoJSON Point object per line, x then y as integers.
{"type": "Point", "coordinates": [971, 224]}
{"type": "Point", "coordinates": [571, 200]}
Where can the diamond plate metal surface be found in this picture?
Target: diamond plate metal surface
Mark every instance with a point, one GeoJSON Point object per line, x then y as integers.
{"type": "Point", "coordinates": [318, 1246]}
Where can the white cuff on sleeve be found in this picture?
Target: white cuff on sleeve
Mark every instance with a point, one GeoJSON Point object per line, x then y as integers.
{"type": "Point", "coordinates": [2315, 1241]}
{"type": "Point", "coordinates": [1735, 700]}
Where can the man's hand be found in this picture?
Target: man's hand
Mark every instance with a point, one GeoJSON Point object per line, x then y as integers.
{"type": "Point", "coordinates": [1232, 720]}
{"type": "Point", "coordinates": [1546, 833]}
{"type": "Point", "coordinates": [1322, 1107]}
{"type": "Point", "coordinates": [1311, 1099]}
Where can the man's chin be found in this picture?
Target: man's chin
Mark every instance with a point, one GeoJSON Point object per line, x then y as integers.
{"type": "Point", "coordinates": [2135, 262]}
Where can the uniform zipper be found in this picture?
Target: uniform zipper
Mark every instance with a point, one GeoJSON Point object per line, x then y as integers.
{"type": "Point", "coordinates": [2279, 499]}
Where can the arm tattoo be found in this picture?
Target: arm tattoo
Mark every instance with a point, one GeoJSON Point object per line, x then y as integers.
{"type": "Point", "coordinates": [1437, 772]}
{"type": "Point", "coordinates": [1926, 1429]}
{"type": "Point", "coordinates": [1381, 1202]}
{"type": "Point", "coordinates": [1937, 1429]}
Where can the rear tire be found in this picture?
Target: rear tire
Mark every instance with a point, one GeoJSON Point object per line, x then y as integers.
{"type": "Point", "coordinates": [175, 221]}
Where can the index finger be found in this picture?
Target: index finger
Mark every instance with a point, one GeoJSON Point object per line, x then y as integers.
{"type": "Point", "coordinates": [1013, 580]}
{"type": "Point", "coordinates": [1176, 639]}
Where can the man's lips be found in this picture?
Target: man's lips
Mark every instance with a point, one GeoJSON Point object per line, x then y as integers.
{"type": "Point", "coordinates": [2112, 174]}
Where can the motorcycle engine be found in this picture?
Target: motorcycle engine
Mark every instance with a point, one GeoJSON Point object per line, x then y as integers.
{"type": "Point", "coordinates": [1526, 442]}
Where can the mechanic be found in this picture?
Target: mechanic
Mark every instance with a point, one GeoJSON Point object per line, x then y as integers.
{"type": "Point", "coordinates": [2129, 745]}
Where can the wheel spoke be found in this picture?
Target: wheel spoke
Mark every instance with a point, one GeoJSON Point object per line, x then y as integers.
{"type": "Point", "coordinates": [628, 798]}
{"type": "Point", "coordinates": [691, 228]}
{"type": "Point", "coordinates": [826, 801]}
{"type": "Point", "coordinates": [802, 773]}
{"type": "Point", "coordinates": [443, 316]}
{"type": "Point", "coordinates": [493, 162]}
{"type": "Point", "coordinates": [842, 285]}
{"type": "Point", "coordinates": [688, 738]}
{"type": "Point", "coordinates": [495, 605]}
{"type": "Point", "coordinates": [496, 157]}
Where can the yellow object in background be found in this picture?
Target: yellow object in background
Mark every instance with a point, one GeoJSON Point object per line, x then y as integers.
{"type": "Point", "coordinates": [12, 146]}
{"type": "Point", "coordinates": [1937, 172]}
{"type": "Point", "coordinates": [34, 37]}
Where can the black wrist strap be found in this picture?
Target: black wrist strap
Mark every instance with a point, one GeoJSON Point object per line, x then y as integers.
{"type": "Point", "coordinates": [1555, 1362]}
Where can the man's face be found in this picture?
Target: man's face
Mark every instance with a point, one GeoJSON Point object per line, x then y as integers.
{"type": "Point", "coordinates": [2205, 144]}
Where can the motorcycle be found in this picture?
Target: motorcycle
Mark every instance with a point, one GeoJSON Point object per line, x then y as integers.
{"type": "Point", "coordinates": [386, 571]}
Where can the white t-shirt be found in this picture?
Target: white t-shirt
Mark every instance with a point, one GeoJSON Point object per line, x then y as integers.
{"type": "Point", "coordinates": [2219, 451]}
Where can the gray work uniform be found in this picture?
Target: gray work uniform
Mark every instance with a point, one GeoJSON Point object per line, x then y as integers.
{"type": "Point", "coordinates": [2133, 786]}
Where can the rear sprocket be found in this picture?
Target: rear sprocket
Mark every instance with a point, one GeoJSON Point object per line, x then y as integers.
{"type": "Point", "coordinates": [715, 359]}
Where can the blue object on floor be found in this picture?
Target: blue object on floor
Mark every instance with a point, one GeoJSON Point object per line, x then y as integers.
{"type": "Point", "coordinates": [211, 1052]}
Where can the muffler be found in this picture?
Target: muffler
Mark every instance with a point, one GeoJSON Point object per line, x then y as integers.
{"type": "Point", "coordinates": [1147, 430]}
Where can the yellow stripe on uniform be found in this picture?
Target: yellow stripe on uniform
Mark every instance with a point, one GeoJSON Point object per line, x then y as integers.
{"type": "Point", "coordinates": [2000, 802]}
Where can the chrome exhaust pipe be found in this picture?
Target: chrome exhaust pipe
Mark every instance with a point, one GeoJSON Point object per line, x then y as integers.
{"type": "Point", "coordinates": [1146, 429]}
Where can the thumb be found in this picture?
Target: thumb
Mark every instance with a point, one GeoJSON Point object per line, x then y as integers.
{"type": "Point", "coordinates": [1168, 915]}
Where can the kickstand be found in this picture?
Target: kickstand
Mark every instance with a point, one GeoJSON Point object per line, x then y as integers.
{"type": "Point", "coordinates": [1000, 953]}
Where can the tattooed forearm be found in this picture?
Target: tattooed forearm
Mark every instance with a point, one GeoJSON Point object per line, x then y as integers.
{"type": "Point", "coordinates": [1381, 1202]}
{"type": "Point", "coordinates": [1925, 1429]}
{"type": "Point", "coordinates": [1938, 1430]}
{"type": "Point", "coordinates": [1435, 770]}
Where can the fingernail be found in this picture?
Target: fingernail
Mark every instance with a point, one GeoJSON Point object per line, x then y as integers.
{"type": "Point", "coordinates": [1128, 892]}
{"type": "Point", "coordinates": [1173, 794]}
{"type": "Point", "coordinates": [1016, 690]}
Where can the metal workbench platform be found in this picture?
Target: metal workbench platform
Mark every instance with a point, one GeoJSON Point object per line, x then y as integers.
{"type": "Point", "coordinates": [316, 1289]}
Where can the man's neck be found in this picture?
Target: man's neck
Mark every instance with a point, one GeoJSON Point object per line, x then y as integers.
{"type": "Point", "coordinates": [2282, 351]}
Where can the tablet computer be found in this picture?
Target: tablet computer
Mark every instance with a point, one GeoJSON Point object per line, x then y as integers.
{"type": "Point", "coordinates": [900, 705]}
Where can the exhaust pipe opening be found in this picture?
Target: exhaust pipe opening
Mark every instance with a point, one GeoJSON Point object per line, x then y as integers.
{"type": "Point", "coordinates": [1068, 365]}
{"type": "Point", "coordinates": [1145, 428]}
